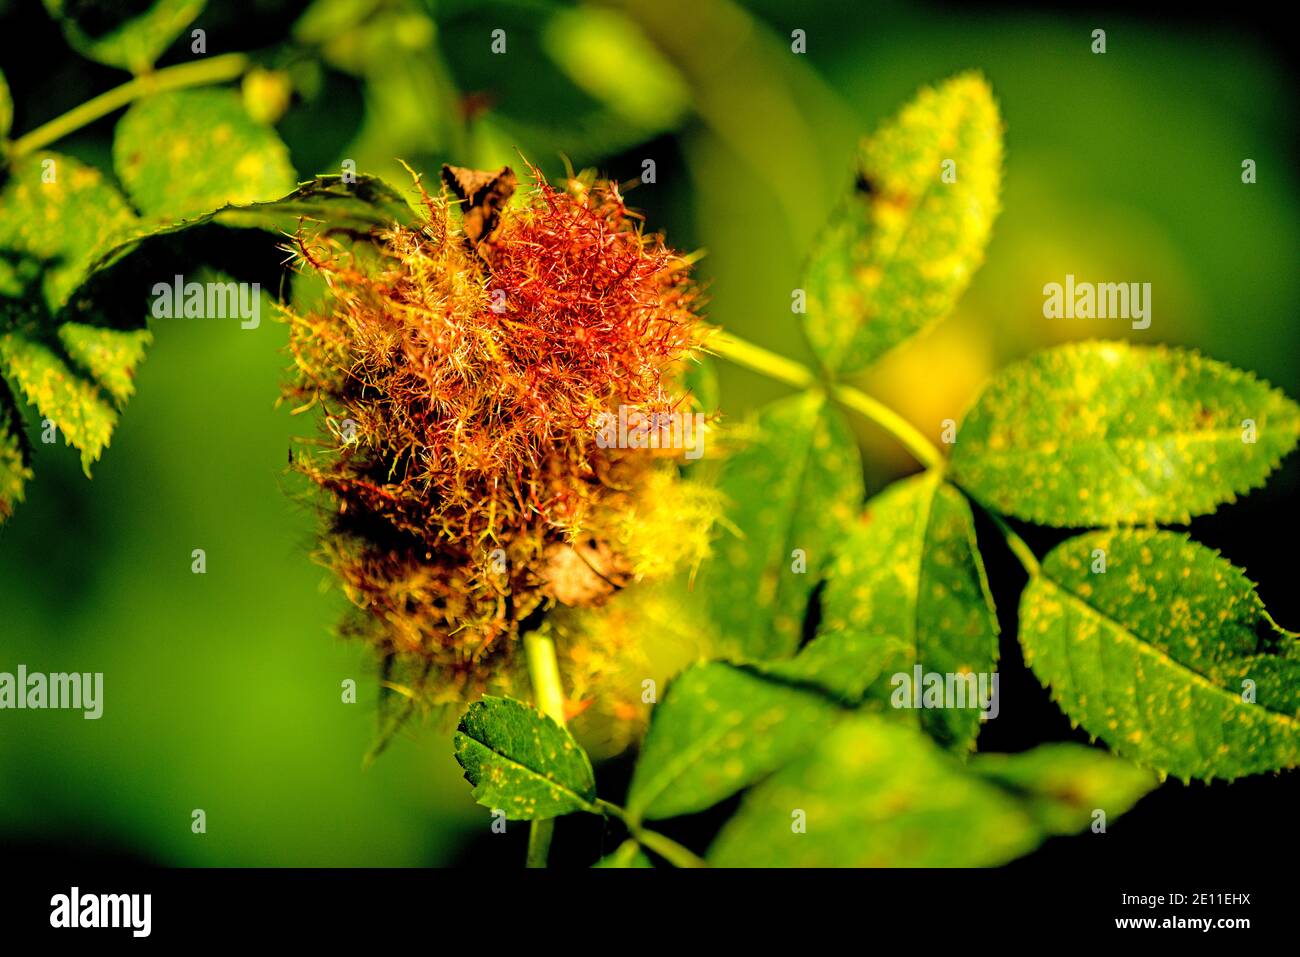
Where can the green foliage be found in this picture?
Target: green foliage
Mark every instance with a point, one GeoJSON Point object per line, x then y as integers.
{"type": "Point", "coordinates": [188, 152]}
{"type": "Point", "coordinates": [68, 229]}
{"type": "Point", "coordinates": [1167, 655]}
{"type": "Point", "coordinates": [793, 487]}
{"type": "Point", "coordinates": [911, 570]}
{"type": "Point", "coordinates": [520, 761]}
{"type": "Point", "coordinates": [76, 405]}
{"type": "Point", "coordinates": [111, 356]}
{"type": "Point", "coordinates": [606, 55]}
{"type": "Point", "coordinates": [1064, 784]}
{"type": "Point", "coordinates": [874, 793]}
{"type": "Point", "coordinates": [903, 245]}
{"type": "Point", "coordinates": [134, 43]}
{"type": "Point", "coordinates": [838, 663]}
{"type": "Point", "coordinates": [14, 472]}
{"type": "Point", "coordinates": [365, 206]}
{"type": "Point", "coordinates": [1103, 433]}
{"type": "Point", "coordinates": [6, 107]}
{"type": "Point", "coordinates": [57, 215]}
{"type": "Point", "coordinates": [719, 728]}
{"type": "Point", "coordinates": [628, 854]}
{"type": "Point", "coordinates": [64, 214]}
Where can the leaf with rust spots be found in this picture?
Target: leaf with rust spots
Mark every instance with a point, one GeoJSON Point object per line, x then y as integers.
{"type": "Point", "coordinates": [796, 486]}
{"type": "Point", "coordinates": [14, 471]}
{"type": "Point", "coordinates": [188, 152]}
{"type": "Point", "coordinates": [1168, 656]}
{"type": "Point", "coordinates": [912, 570]}
{"type": "Point", "coordinates": [871, 792]}
{"type": "Point", "coordinates": [522, 762]}
{"type": "Point", "coordinates": [718, 729]}
{"type": "Point", "coordinates": [64, 214]}
{"type": "Point", "coordinates": [722, 726]}
{"type": "Point", "coordinates": [1105, 433]}
{"type": "Point", "coordinates": [904, 244]}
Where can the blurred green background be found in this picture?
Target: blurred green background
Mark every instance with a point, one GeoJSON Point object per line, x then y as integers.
{"type": "Point", "coordinates": [223, 690]}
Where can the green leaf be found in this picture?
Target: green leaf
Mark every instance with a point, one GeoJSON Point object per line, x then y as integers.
{"type": "Point", "coordinates": [903, 246]}
{"type": "Point", "coordinates": [522, 762]}
{"type": "Point", "coordinates": [188, 152]}
{"type": "Point", "coordinates": [840, 664]}
{"type": "Point", "coordinates": [875, 793]}
{"type": "Point", "coordinates": [719, 727]}
{"type": "Point", "coordinates": [1063, 784]}
{"type": "Point", "coordinates": [61, 212]}
{"type": "Point", "coordinates": [911, 570]}
{"type": "Point", "coordinates": [84, 416]}
{"type": "Point", "coordinates": [133, 43]}
{"type": "Point", "coordinates": [794, 487]}
{"type": "Point", "coordinates": [1104, 433]}
{"type": "Point", "coordinates": [628, 854]}
{"type": "Point", "coordinates": [6, 108]}
{"type": "Point", "coordinates": [111, 356]}
{"type": "Point", "coordinates": [1160, 654]}
{"type": "Point", "coordinates": [14, 472]}
{"type": "Point", "coordinates": [73, 235]}
{"type": "Point", "coordinates": [58, 215]}
{"type": "Point", "coordinates": [366, 205]}
{"type": "Point", "coordinates": [608, 56]}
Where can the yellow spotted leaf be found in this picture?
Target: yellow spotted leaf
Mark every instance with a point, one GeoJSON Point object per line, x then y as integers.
{"type": "Point", "coordinates": [719, 727]}
{"type": "Point", "coordinates": [1105, 433]}
{"type": "Point", "coordinates": [910, 569]}
{"type": "Point", "coordinates": [1162, 649]}
{"type": "Point", "coordinates": [14, 471]}
{"type": "Point", "coordinates": [186, 153]}
{"type": "Point", "coordinates": [80, 410]}
{"type": "Point", "coordinates": [111, 356]}
{"type": "Point", "coordinates": [63, 213]}
{"type": "Point", "coordinates": [790, 493]}
{"type": "Point", "coordinates": [903, 246]}
{"type": "Point", "coordinates": [521, 762]}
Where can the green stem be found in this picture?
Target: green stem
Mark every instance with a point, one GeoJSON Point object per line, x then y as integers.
{"type": "Point", "coordinates": [761, 360]}
{"type": "Point", "coordinates": [665, 847]}
{"type": "Point", "coordinates": [926, 452]}
{"type": "Point", "coordinates": [217, 69]}
{"type": "Point", "coordinates": [912, 438]}
{"type": "Point", "coordinates": [548, 695]}
{"type": "Point", "coordinates": [1019, 547]}
{"type": "Point", "coordinates": [793, 374]}
{"type": "Point", "coordinates": [540, 833]}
